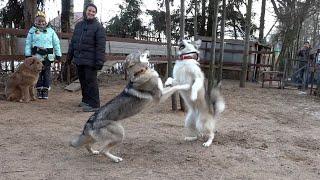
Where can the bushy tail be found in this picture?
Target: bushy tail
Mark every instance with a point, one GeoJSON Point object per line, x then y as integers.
{"type": "Point", "coordinates": [218, 104]}
{"type": "Point", "coordinates": [79, 141]}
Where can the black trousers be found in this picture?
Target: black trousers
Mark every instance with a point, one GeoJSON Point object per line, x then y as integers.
{"type": "Point", "coordinates": [44, 80]}
{"type": "Point", "coordinates": [89, 85]}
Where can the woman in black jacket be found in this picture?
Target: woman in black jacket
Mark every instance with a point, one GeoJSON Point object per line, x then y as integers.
{"type": "Point", "coordinates": [87, 49]}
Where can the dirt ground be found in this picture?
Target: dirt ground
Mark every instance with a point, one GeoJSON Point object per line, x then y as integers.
{"type": "Point", "coordinates": [263, 134]}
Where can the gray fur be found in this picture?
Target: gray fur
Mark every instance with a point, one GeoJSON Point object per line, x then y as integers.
{"type": "Point", "coordinates": [144, 88]}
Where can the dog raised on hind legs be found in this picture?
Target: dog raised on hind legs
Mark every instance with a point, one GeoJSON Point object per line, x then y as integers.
{"type": "Point", "coordinates": [145, 87]}
{"type": "Point", "coordinates": [203, 108]}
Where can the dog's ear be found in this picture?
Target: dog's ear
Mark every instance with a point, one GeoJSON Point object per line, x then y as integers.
{"type": "Point", "coordinates": [144, 57]}
{"type": "Point", "coordinates": [29, 61]}
{"type": "Point", "coordinates": [197, 43]}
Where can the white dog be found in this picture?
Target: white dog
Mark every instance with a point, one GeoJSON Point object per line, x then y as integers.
{"type": "Point", "coordinates": [202, 110]}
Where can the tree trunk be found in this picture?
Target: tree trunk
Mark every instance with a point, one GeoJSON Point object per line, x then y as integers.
{"type": "Point", "coordinates": [213, 46]}
{"type": "Point", "coordinates": [65, 16]}
{"type": "Point", "coordinates": [29, 12]}
{"type": "Point", "coordinates": [182, 31]}
{"type": "Point", "coordinates": [222, 40]}
{"type": "Point", "coordinates": [182, 19]}
{"type": "Point", "coordinates": [261, 35]}
{"type": "Point", "coordinates": [203, 18]}
{"type": "Point", "coordinates": [243, 76]}
{"type": "Point", "coordinates": [262, 16]}
{"type": "Point", "coordinates": [168, 35]}
{"type": "Point", "coordinates": [195, 20]}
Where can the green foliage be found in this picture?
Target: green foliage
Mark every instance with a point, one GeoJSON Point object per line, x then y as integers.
{"type": "Point", "coordinates": [127, 23]}
{"type": "Point", "coordinates": [158, 20]}
{"type": "Point", "coordinates": [12, 13]}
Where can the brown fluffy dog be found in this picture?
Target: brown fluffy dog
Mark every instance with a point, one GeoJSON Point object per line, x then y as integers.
{"type": "Point", "coordinates": [20, 85]}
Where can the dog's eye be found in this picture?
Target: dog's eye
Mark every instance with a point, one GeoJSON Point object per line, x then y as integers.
{"type": "Point", "coordinates": [181, 47]}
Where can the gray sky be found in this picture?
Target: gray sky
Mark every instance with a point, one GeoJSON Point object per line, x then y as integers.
{"type": "Point", "coordinates": [109, 8]}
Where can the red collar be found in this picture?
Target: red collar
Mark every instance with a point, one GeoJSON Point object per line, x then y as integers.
{"type": "Point", "coordinates": [188, 56]}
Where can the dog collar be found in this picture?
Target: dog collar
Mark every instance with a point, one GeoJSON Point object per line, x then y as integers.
{"type": "Point", "coordinates": [189, 56]}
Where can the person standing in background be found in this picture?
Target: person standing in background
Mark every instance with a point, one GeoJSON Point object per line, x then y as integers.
{"type": "Point", "coordinates": [43, 43]}
{"type": "Point", "coordinates": [87, 49]}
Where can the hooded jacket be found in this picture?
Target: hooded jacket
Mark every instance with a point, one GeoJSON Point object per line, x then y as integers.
{"type": "Point", "coordinates": [46, 38]}
{"type": "Point", "coordinates": [88, 43]}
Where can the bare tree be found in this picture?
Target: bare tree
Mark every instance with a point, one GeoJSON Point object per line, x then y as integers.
{"type": "Point", "coordinates": [182, 19]}
{"type": "Point", "coordinates": [29, 12]}
{"type": "Point", "coordinates": [213, 46]}
{"type": "Point", "coordinates": [244, 69]}
{"type": "Point", "coordinates": [203, 18]}
{"type": "Point", "coordinates": [195, 20]}
{"type": "Point", "coordinates": [291, 15]}
{"type": "Point", "coordinates": [222, 25]}
{"type": "Point", "coordinates": [65, 16]}
{"type": "Point", "coordinates": [168, 35]}
{"type": "Point", "coordinates": [262, 16]}
{"type": "Point", "coordinates": [182, 32]}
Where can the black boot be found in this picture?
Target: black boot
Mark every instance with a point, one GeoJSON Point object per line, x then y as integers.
{"type": "Point", "coordinates": [45, 93]}
{"type": "Point", "coordinates": [39, 93]}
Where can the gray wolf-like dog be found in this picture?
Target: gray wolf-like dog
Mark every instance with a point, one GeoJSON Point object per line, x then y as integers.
{"type": "Point", "coordinates": [202, 110]}
{"type": "Point", "coordinates": [145, 87]}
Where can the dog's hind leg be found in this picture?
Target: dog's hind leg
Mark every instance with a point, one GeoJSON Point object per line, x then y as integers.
{"type": "Point", "coordinates": [208, 130]}
{"type": "Point", "coordinates": [190, 126]}
{"type": "Point", "coordinates": [117, 135]}
{"type": "Point", "coordinates": [209, 141]}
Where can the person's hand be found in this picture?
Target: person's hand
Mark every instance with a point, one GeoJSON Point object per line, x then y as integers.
{"type": "Point", "coordinates": [57, 59]}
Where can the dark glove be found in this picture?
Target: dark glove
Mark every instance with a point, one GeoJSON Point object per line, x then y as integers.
{"type": "Point", "coordinates": [58, 58]}
{"type": "Point", "coordinates": [98, 67]}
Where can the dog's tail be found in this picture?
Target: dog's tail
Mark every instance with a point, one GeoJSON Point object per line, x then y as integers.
{"type": "Point", "coordinates": [83, 138]}
{"type": "Point", "coordinates": [217, 101]}
{"type": "Point", "coordinates": [79, 141]}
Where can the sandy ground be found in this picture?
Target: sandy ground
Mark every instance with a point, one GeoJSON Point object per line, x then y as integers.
{"type": "Point", "coordinates": [263, 134]}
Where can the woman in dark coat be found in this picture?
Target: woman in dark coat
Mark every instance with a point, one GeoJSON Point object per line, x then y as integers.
{"type": "Point", "coordinates": [87, 49]}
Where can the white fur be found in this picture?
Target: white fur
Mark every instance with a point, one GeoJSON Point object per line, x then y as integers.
{"type": "Point", "coordinates": [199, 121]}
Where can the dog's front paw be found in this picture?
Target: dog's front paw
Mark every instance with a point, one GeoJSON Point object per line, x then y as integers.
{"type": "Point", "coordinates": [169, 81]}
{"type": "Point", "coordinates": [207, 144]}
{"type": "Point", "coordinates": [117, 159]}
{"type": "Point", "coordinates": [194, 96]}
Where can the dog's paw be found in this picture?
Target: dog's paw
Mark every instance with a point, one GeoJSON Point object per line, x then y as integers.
{"type": "Point", "coordinates": [169, 81]}
{"type": "Point", "coordinates": [191, 138]}
{"type": "Point", "coordinates": [94, 152]}
{"type": "Point", "coordinates": [207, 144]}
{"type": "Point", "coordinates": [194, 96]}
{"type": "Point", "coordinates": [117, 159]}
